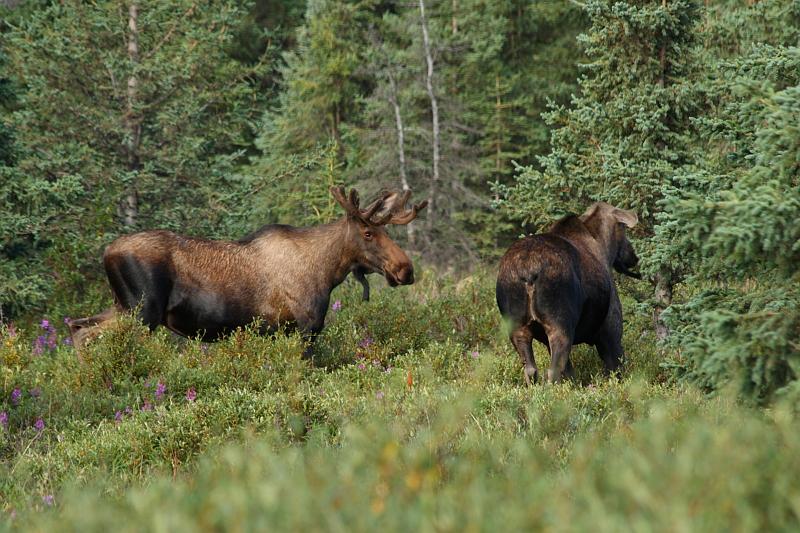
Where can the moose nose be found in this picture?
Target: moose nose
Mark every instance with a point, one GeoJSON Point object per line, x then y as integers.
{"type": "Point", "coordinates": [405, 275]}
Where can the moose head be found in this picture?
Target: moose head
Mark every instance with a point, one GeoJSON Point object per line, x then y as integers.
{"type": "Point", "coordinates": [371, 245]}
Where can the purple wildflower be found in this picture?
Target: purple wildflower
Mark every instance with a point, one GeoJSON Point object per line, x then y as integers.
{"type": "Point", "coordinates": [38, 345]}
{"type": "Point", "coordinates": [68, 341]}
{"type": "Point", "coordinates": [16, 395]}
{"type": "Point", "coordinates": [337, 305]}
{"type": "Point", "coordinates": [45, 324]}
{"type": "Point", "coordinates": [147, 406]}
{"type": "Point", "coordinates": [4, 419]}
{"type": "Point", "coordinates": [118, 417]}
{"type": "Point", "coordinates": [191, 394]}
{"type": "Point", "coordinates": [67, 320]}
{"type": "Point", "coordinates": [35, 392]}
{"type": "Point", "coordinates": [128, 410]}
{"type": "Point", "coordinates": [161, 388]}
{"type": "Point", "coordinates": [48, 499]}
{"type": "Point", "coordinates": [362, 366]}
{"type": "Point", "coordinates": [379, 395]}
{"type": "Point", "coordinates": [475, 354]}
{"type": "Point", "coordinates": [39, 425]}
{"type": "Point", "coordinates": [366, 341]}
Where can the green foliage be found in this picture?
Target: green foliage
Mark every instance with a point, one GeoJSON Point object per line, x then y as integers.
{"type": "Point", "coordinates": [623, 135]}
{"type": "Point", "coordinates": [72, 124]}
{"type": "Point", "coordinates": [395, 433]}
{"type": "Point", "coordinates": [734, 219]}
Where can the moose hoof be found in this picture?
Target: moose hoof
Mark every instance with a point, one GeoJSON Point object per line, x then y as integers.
{"type": "Point", "coordinates": [531, 376]}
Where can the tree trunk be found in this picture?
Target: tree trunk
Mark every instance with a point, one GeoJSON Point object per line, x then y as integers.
{"type": "Point", "coordinates": [129, 205]}
{"type": "Point", "coordinates": [663, 298]}
{"type": "Point", "coordinates": [434, 188]}
{"type": "Point", "coordinates": [401, 150]}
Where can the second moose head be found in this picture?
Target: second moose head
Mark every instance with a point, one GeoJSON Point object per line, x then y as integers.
{"type": "Point", "coordinates": [279, 276]}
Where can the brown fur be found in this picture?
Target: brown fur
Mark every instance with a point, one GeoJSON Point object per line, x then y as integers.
{"type": "Point", "coordinates": [280, 275]}
{"type": "Point", "coordinates": [557, 287]}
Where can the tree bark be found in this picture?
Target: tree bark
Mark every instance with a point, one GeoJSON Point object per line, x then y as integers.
{"type": "Point", "coordinates": [401, 150]}
{"type": "Point", "coordinates": [434, 188]}
{"type": "Point", "coordinates": [663, 299]}
{"type": "Point", "coordinates": [129, 205]}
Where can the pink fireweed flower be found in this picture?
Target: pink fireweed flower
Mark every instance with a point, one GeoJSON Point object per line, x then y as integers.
{"type": "Point", "coordinates": [191, 394]}
{"type": "Point", "coordinates": [161, 388]}
{"type": "Point", "coordinates": [16, 395]}
{"type": "Point", "coordinates": [366, 341]}
{"type": "Point", "coordinates": [39, 425]}
{"type": "Point", "coordinates": [337, 305]}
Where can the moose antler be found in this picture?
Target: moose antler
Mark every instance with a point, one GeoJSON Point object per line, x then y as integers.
{"type": "Point", "coordinates": [394, 209]}
{"type": "Point", "coordinates": [388, 208]}
{"type": "Point", "coordinates": [351, 204]}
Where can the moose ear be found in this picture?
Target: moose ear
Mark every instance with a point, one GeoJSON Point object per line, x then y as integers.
{"type": "Point", "coordinates": [589, 213]}
{"type": "Point", "coordinates": [626, 217]}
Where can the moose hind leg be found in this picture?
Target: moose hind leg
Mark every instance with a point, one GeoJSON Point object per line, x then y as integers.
{"type": "Point", "coordinates": [560, 348]}
{"type": "Point", "coordinates": [522, 338]}
{"type": "Point", "coordinates": [136, 284]}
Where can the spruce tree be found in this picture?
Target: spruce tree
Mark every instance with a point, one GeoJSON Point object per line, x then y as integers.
{"type": "Point", "coordinates": [129, 115]}
{"type": "Point", "coordinates": [733, 214]}
{"type": "Point", "coordinates": [624, 136]}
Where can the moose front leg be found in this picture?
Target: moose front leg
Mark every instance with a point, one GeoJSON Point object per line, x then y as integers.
{"type": "Point", "coordinates": [612, 354]}
{"type": "Point", "coordinates": [361, 276]}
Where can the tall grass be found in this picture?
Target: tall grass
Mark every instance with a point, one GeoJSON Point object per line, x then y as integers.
{"type": "Point", "coordinates": [412, 415]}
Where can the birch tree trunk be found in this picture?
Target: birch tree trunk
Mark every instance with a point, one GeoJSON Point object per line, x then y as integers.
{"type": "Point", "coordinates": [401, 150]}
{"type": "Point", "coordinates": [434, 188]}
{"type": "Point", "coordinates": [129, 205]}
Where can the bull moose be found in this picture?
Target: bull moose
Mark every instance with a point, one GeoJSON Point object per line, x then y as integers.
{"type": "Point", "coordinates": [556, 287]}
{"type": "Point", "coordinates": [280, 275]}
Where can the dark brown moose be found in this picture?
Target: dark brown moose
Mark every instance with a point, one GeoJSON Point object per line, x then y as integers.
{"type": "Point", "coordinates": [557, 288]}
{"type": "Point", "coordinates": [280, 275]}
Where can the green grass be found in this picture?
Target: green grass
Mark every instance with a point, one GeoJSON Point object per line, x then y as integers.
{"type": "Point", "coordinates": [412, 417]}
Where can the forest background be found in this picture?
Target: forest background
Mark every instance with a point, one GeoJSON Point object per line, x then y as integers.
{"type": "Point", "coordinates": [213, 118]}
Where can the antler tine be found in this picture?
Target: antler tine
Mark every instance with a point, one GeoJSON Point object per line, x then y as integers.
{"type": "Point", "coordinates": [409, 215]}
{"type": "Point", "coordinates": [354, 200]}
{"type": "Point", "coordinates": [401, 204]}
{"type": "Point", "coordinates": [338, 194]}
{"type": "Point", "coordinates": [373, 208]}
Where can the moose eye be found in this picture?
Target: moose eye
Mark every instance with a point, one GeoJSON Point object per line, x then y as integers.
{"type": "Point", "coordinates": [368, 235]}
